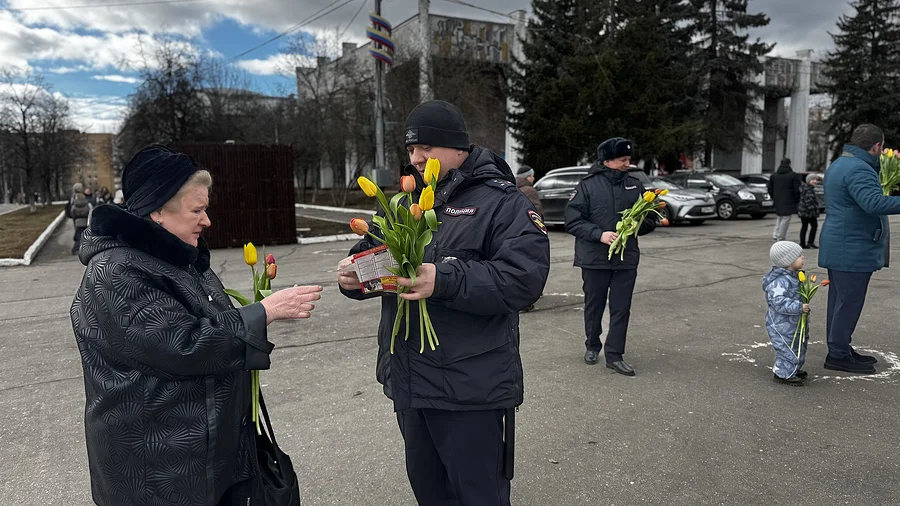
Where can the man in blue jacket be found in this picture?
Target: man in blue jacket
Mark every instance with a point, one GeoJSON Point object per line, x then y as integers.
{"type": "Point", "coordinates": [591, 216]}
{"type": "Point", "coordinates": [853, 242]}
{"type": "Point", "coordinates": [489, 259]}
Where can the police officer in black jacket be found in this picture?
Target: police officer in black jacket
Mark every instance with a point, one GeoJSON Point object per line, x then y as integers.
{"type": "Point", "coordinates": [488, 260]}
{"type": "Point", "coordinates": [591, 216]}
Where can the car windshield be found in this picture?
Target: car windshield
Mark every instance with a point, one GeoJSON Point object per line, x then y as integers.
{"type": "Point", "coordinates": [723, 180]}
{"type": "Point", "coordinates": [641, 176]}
{"type": "Point", "coordinates": [664, 184]}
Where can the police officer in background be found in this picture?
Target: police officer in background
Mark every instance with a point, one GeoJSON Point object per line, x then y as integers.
{"type": "Point", "coordinates": [489, 259]}
{"type": "Point", "coordinates": [591, 216]}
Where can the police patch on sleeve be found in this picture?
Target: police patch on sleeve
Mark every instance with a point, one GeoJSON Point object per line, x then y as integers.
{"type": "Point", "coordinates": [538, 222]}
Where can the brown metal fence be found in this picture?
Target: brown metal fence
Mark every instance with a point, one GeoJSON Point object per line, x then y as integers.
{"type": "Point", "coordinates": [252, 198]}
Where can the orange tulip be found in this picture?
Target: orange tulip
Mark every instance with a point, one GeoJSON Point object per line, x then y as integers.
{"type": "Point", "coordinates": [658, 190]}
{"type": "Point", "coordinates": [826, 282]}
{"type": "Point", "coordinates": [662, 205]}
{"type": "Point", "coordinates": [665, 222]}
{"type": "Point", "coordinates": [416, 212]}
{"type": "Point", "coordinates": [359, 226]}
{"type": "Point", "coordinates": [408, 184]}
{"type": "Point", "coordinates": [271, 270]}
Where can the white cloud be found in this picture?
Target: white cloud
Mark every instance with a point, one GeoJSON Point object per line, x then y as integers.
{"type": "Point", "coordinates": [68, 70]}
{"type": "Point", "coordinates": [98, 114]}
{"type": "Point", "coordinates": [274, 65]}
{"type": "Point", "coordinates": [115, 78]}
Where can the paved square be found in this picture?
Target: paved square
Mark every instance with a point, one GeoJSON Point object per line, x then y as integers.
{"type": "Point", "coordinates": [701, 424]}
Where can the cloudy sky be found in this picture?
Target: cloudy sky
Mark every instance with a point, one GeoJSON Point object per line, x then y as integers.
{"type": "Point", "coordinates": [87, 48]}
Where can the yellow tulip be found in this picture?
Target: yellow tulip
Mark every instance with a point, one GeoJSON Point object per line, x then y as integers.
{"type": "Point", "coordinates": [426, 200]}
{"type": "Point", "coordinates": [664, 192]}
{"type": "Point", "coordinates": [890, 153]}
{"type": "Point", "coordinates": [649, 196]}
{"type": "Point", "coordinates": [802, 276]}
{"type": "Point", "coordinates": [250, 256]}
{"type": "Point", "coordinates": [367, 186]}
{"type": "Point", "coordinates": [432, 170]}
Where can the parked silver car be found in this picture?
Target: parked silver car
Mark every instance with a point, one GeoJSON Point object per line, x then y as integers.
{"type": "Point", "coordinates": [682, 204]}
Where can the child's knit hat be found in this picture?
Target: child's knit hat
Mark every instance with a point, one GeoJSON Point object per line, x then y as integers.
{"type": "Point", "coordinates": [785, 253]}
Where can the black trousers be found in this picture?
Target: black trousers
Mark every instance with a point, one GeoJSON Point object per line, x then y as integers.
{"type": "Point", "coordinates": [813, 225]}
{"type": "Point", "coordinates": [846, 298]}
{"type": "Point", "coordinates": [79, 231]}
{"type": "Point", "coordinates": [618, 287]}
{"type": "Point", "coordinates": [455, 458]}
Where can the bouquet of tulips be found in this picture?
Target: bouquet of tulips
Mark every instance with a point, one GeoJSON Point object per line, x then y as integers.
{"type": "Point", "coordinates": [808, 289]}
{"type": "Point", "coordinates": [890, 171]}
{"type": "Point", "coordinates": [262, 288]}
{"type": "Point", "coordinates": [633, 218]}
{"type": "Point", "coordinates": [407, 229]}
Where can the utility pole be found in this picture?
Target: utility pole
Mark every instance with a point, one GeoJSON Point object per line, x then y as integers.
{"type": "Point", "coordinates": [424, 58]}
{"type": "Point", "coordinates": [379, 106]}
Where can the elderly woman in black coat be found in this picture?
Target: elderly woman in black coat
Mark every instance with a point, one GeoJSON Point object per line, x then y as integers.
{"type": "Point", "coordinates": [166, 356]}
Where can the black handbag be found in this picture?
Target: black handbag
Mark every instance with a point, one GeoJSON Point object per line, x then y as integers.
{"type": "Point", "coordinates": [276, 483]}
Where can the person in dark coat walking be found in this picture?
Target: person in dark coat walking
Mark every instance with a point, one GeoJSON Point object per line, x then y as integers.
{"type": "Point", "coordinates": [166, 357]}
{"type": "Point", "coordinates": [489, 259]}
{"type": "Point", "coordinates": [591, 216]}
{"type": "Point", "coordinates": [853, 242]}
{"type": "Point", "coordinates": [525, 184]}
{"type": "Point", "coordinates": [808, 210]}
{"type": "Point", "coordinates": [784, 188]}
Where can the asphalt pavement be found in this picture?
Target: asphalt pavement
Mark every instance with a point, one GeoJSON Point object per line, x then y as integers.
{"type": "Point", "coordinates": [702, 423]}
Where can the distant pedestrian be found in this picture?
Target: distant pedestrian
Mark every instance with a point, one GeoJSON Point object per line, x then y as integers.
{"type": "Point", "coordinates": [808, 210]}
{"type": "Point", "coordinates": [89, 195]}
{"type": "Point", "coordinates": [104, 196]}
{"type": "Point", "coordinates": [854, 242]}
{"type": "Point", "coordinates": [79, 209]}
{"type": "Point", "coordinates": [525, 183]}
{"type": "Point", "coordinates": [782, 287]}
{"type": "Point", "coordinates": [784, 188]}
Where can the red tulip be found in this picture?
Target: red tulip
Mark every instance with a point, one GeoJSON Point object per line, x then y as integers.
{"type": "Point", "coordinates": [359, 226]}
{"type": "Point", "coordinates": [271, 270]}
{"type": "Point", "coordinates": [408, 184]}
{"type": "Point", "coordinates": [270, 259]}
{"type": "Point", "coordinates": [665, 222]}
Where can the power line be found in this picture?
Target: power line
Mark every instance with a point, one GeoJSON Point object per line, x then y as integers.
{"type": "Point", "coordinates": [480, 8]}
{"type": "Point", "coordinates": [97, 6]}
{"type": "Point", "coordinates": [361, 5]}
{"type": "Point", "coordinates": [314, 17]}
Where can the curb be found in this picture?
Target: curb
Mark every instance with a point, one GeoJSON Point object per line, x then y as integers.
{"type": "Point", "coordinates": [36, 246]}
{"type": "Point", "coordinates": [334, 209]}
{"type": "Point", "coordinates": [12, 210]}
{"type": "Point", "coordinates": [327, 238]}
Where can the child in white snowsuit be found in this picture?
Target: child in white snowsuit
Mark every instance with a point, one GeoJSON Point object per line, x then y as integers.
{"type": "Point", "coordinates": [782, 286]}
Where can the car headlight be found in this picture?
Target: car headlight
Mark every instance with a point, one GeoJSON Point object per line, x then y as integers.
{"type": "Point", "coordinates": [745, 195]}
{"type": "Point", "coordinates": [681, 198]}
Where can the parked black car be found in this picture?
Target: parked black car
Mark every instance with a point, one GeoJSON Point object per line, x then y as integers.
{"type": "Point", "coordinates": [733, 197]}
{"type": "Point", "coordinates": [761, 181]}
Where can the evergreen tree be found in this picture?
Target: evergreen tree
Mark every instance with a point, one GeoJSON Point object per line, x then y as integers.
{"type": "Point", "coordinates": [729, 61]}
{"type": "Point", "coordinates": [556, 84]}
{"type": "Point", "coordinates": [864, 70]}
{"type": "Point", "coordinates": [595, 70]}
{"type": "Point", "coordinates": [656, 94]}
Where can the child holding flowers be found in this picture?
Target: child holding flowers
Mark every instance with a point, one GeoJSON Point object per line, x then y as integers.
{"type": "Point", "coordinates": [782, 287]}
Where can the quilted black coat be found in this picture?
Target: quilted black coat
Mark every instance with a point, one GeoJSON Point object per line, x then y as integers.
{"type": "Point", "coordinates": [166, 359]}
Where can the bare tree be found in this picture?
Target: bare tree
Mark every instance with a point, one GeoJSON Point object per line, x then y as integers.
{"type": "Point", "coordinates": [335, 105]}
{"type": "Point", "coordinates": [23, 92]}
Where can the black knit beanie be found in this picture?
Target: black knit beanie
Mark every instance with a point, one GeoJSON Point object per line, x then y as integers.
{"type": "Point", "coordinates": [617, 147]}
{"type": "Point", "coordinates": [437, 123]}
{"type": "Point", "coordinates": [153, 177]}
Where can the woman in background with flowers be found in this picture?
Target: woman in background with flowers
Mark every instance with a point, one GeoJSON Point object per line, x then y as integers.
{"type": "Point", "coordinates": [166, 356]}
